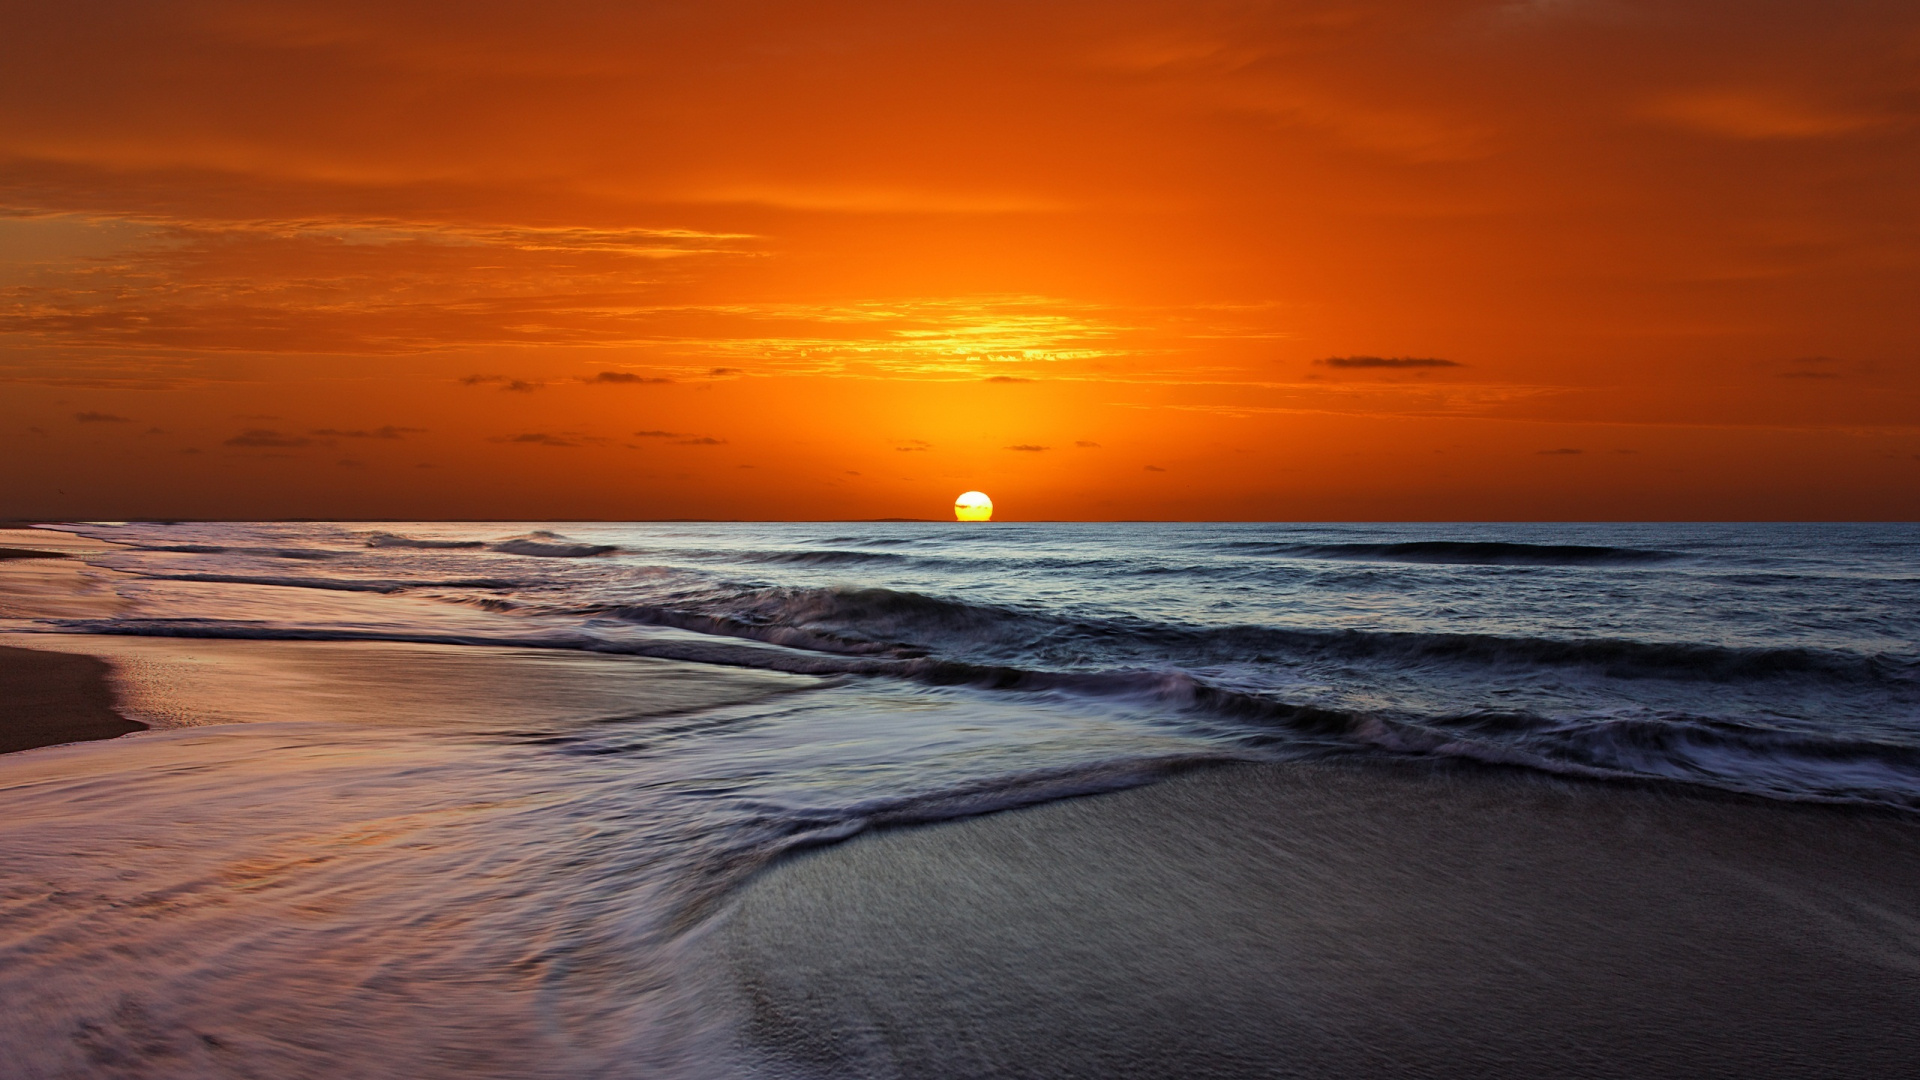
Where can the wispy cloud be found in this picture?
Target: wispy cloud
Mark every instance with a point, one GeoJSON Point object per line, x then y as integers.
{"type": "Point", "coordinates": [388, 432]}
{"type": "Point", "coordinates": [266, 437]}
{"type": "Point", "coordinates": [625, 378]}
{"type": "Point", "coordinates": [542, 438]}
{"type": "Point", "coordinates": [101, 418]}
{"type": "Point", "coordinates": [1812, 367]}
{"type": "Point", "coordinates": [1387, 362]}
{"type": "Point", "coordinates": [510, 385]}
{"type": "Point", "coordinates": [1760, 114]}
{"type": "Point", "coordinates": [1028, 448]}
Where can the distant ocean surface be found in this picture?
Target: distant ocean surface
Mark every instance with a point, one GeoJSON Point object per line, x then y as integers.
{"type": "Point", "coordinates": [361, 899]}
{"type": "Point", "coordinates": [1775, 659]}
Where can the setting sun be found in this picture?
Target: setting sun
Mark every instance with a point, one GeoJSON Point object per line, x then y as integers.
{"type": "Point", "coordinates": [973, 506]}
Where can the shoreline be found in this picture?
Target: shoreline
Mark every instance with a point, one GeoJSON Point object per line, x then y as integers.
{"type": "Point", "coordinates": [51, 698]}
{"type": "Point", "coordinates": [1341, 919]}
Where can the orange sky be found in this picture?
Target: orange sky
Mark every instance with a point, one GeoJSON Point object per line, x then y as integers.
{"type": "Point", "coordinates": [339, 258]}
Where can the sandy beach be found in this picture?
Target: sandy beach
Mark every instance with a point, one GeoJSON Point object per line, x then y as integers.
{"type": "Point", "coordinates": [1328, 921]}
{"type": "Point", "coordinates": [454, 858]}
{"type": "Point", "coordinates": [47, 698]}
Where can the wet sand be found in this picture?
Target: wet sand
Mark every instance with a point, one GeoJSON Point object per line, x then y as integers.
{"type": "Point", "coordinates": [48, 698]}
{"type": "Point", "coordinates": [349, 859]}
{"type": "Point", "coordinates": [1342, 921]}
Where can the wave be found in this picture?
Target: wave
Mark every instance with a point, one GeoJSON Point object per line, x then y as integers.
{"type": "Point", "coordinates": [364, 585]}
{"type": "Point", "coordinates": [845, 620]}
{"type": "Point", "coordinates": [1612, 657]}
{"type": "Point", "coordinates": [906, 625]}
{"type": "Point", "coordinates": [1720, 753]}
{"type": "Point", "coordinates": [901, 624]}
{"type": "Point", "coordinates": [546, 545]}
{"type": "Point", "coordinates": [303, 554]}
{"type": "Point", "coordinates": [787, 830]}
{"type": "Point", "coordinates": [394, 540]}
{"type": "Point", "coordinates": [1771, 762]}
{"type": "Point", "coordinates": [819, 558]}
{"type": "Point", "coordinates": [1467, 553]}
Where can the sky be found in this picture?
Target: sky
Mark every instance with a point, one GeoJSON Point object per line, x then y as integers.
{"type": "Point", "coordinates": [1315, 260]}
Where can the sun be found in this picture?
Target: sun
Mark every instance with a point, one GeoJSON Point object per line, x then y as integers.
{"type": "Point", "coordinates": [973, 506]}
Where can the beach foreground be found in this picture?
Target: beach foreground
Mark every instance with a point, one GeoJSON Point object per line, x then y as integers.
{"type": "Point", "coordinates": [697, 801]}
{"type": "Point", "coordinates": [1331, 921]}
{"type": "Point", "coordinates": [47, 698]}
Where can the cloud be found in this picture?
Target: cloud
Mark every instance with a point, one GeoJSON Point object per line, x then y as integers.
{"type": "Point", "coordinates": [702, 440]}
{"type": "Point", "coordinates": [913, 446]}
{"type": "Point", "coordinates": [1811, 367]}
{"type": "Point", "coordinates": [657, 434]}
{"type": "Point", "coordinates": [541, 438]}
{"type": "Point", "coordinates": [516, 386]}
{"type": "Point", "coordinates": [1007, 379]}
{"type": "Point", "coordinates": [259, 437]}
{"type": "Point", "coordinates": [1565, 450]}
{"type": "Point", "coordinates": [1155, 468]}
{"type": "Point", "coordinates": [1085, 444]}
{"type": "Point", "coordinates": [1027, 448]}
{"type": "Point", "coordinates": [720, 371]}
{"type": "Point", "coordinates": [1387, 362]}
{"type": "Point", "coordinates": [626, 378]}
{"type": "Point", "coordinates": [101, 418]}
{"type": "Point", "coordinates": [1750, 114]}
{"type": "Point", "coordinates": [388, 432]}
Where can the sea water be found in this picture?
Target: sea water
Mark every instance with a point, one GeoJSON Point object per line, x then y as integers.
{"type": "Point", "coordinates": [425, 897]}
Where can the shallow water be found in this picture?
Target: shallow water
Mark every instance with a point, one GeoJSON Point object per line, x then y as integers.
{"type": "Point", "coordinates": [1776, 659]}
{"type": "Point", "coordinates": [481, 851]}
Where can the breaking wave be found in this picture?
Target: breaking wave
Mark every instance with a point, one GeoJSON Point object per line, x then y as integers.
{"type": "Point", "coordinates": [880, 621]}
{"type": "Point", "coordinates": [1467, 553]}
{"type": "Point", "coordinates": [394, 540]}
{"type": "Point", "coordinates": [1767, 663]}
{"type": "Point", "coordinates": [548, 545]}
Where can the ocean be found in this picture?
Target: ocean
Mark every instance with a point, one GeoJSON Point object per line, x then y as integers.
{"type": "Point", "coordinates": [884, 674]}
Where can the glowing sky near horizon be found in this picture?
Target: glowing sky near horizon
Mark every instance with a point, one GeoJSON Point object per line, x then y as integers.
{"type": "Point", "coordinates": [1366, 259]}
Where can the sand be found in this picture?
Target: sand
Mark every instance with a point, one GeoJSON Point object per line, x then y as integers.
{"type": "Point", "coordinates": [48, 698]}
{"type": "Point", "coordinates": [1335, 921]}
{"type": "Point", "coordinates": [1299, 920]}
